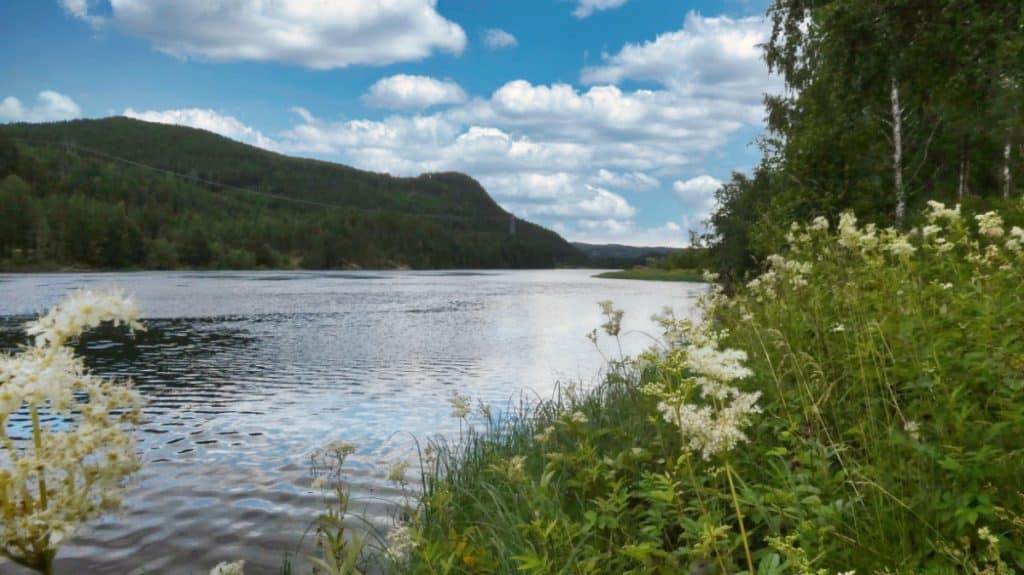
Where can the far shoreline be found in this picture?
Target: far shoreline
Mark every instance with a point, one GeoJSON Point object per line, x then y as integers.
{"type": "Point", "coordinates": [655, 274]}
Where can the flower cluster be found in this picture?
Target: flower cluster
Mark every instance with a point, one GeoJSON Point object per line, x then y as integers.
{"type": "Point", "coordinates": [71, 471]}
{"type": "Point", "coordinates": [400, 543]}
{"type": "Point", "coordinates": [460, 405]}
{"type": "Point", "coordinates": [226, 568]}
{"type": "Point", "coordinates": [710, 412]}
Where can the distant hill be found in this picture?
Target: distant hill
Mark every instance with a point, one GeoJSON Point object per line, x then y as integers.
{"type": "Point", "coordinates": [122, 193]}
{"type": "Point", "coordinates": [620, 256]}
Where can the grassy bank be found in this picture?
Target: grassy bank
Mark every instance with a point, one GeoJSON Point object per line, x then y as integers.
{"type": "Point", "coordinates": [655, 274]}
{"type": "Point", "coordinates": [858, 408]}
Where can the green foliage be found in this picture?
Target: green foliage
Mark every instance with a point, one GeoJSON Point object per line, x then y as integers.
{"type": "Point", "coordinates": [120, 193]}
{"type": "Point", "coordinates": [957, 67]}
{"type": "Point", "coordinates": [888, 370]}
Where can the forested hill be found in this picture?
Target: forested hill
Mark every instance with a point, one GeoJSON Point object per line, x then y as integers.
{"type": "Point", "coordinates": [122, 193]}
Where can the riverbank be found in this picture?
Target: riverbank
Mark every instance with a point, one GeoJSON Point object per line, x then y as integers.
{"type": "Point", "coordinates": [855, 409]}
{"type": "Point", "coordinates": [655, 274]}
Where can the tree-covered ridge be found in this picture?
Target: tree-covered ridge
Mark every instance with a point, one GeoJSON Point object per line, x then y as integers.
{"type": "Point", "coordinates": [117, 193]}
{"type": "Point", "coordinates": [888, 105]}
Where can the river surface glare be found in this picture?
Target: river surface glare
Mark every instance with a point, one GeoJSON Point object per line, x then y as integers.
{"type": "Point", "coordinates": [246, 373]}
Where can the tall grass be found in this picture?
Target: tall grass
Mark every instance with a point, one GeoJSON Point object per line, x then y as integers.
{"type": "Point", "coordinates": [888, 370]}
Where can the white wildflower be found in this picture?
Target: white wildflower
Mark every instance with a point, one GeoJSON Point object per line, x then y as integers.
{"type": "Point", "coordinates": [460, 405]}
{"type": "Point", "coordinates": [939, 211]}
{"type": "Point", "coordinates": [722, 365]}
{"type": "Point", "coordinates": [899, 246]}
{"type": "Point", "coordinates": [990, 224]}
{"type": "Point", "coordinates": [397, 471]}
{"type": "Point", "coordinates": [64, 476]}
{"type": "Point", "coordinates": [930, 230]}
{"type": "Point", "coordinates": [400, 542]}
{"type": "Point", "coordinates": [80, 311]}
{"type": "Point", "coordinates": [545, 435]}
{"type": "Point", "coordinates": [838, 328]}
{"type": "Point", "coordinates": [225, 568]}
{"type": "Point", "coordinates": [849, 236]}
{"type": "Point", "coordinates": [613, 318]}
{"type": "Point", "coordinates": [913, 429]}
{"type": "Point", "coordinates": [819, 224]}
{"type": "Point", "coordinates": [578, 417]}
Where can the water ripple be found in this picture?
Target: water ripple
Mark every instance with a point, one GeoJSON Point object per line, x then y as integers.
{"type": "Point", "coordinates": [245, 374]}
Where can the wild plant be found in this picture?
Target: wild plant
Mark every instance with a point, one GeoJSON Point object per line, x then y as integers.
{"type": "Point", "coordinates": [856, 408]}
{"type": "Point", "coordinates": [67, 464]}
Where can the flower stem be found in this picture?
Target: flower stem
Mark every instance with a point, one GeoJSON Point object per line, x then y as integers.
{"type": "Point", "coordinates": [739, 517]}
{"type": "Point", "coordinates": [37, 438]}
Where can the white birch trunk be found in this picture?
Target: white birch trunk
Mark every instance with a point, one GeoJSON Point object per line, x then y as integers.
{"type": "Point", "coordinates": [1007, 183]}
{"type": "Point", "coordinates": [897, 152]}
{"type": "Point", "coordinates": [962, 189]}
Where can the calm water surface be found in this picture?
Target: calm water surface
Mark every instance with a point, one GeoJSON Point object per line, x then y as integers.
{"type": "Point", "coordinates": [247, 373]}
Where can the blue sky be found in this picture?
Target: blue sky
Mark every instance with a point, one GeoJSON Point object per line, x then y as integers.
{"type": "Point", "coordinates": [606, 120]}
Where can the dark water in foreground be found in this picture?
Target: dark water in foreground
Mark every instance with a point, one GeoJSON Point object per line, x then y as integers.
{"type": "Point", "coordinates": [247, 373]}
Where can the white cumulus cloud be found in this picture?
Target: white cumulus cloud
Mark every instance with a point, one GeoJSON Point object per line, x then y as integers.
{"type": "Point", "coordinates": [636, 181]}
{"type": "Point", "coordinates": [49, 106]}
{"type": "Point", "coordinates": [669, 234]}
{"type": "Point", "coordinates": [698, 194]}
{"type": "Point", "coordinates": [319, 34]}
{"type": "Point", "coordinates": [206, 119]}
{"type": "Point", "coordinates": [496, 38]}
{"type": "Point", "coordinates": [585, 8]}
{"type": "Point", "coordinates": [711, 57]}
{"type": "Point", "coordinates": [406, 91]}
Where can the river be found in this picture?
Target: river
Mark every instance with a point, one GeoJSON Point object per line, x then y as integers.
{"type": "Point", "coordinates": [246, 373]}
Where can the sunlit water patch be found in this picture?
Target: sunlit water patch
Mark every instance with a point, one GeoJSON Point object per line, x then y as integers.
{"type": "Point", "coordinates": [247, 373]}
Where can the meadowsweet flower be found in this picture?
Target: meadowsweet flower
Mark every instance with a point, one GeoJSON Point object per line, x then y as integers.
{"type": "Point", "coordinates": [613, 318]}
{"type": "Point", "coordinates": [517, 463]}
{"type": "Point", "coordinates": [400, 543]}
{"type": "Point", "coordinates": [990, 224]}
{"type": "Point", "coordinates": [819, 224]}
{"type": "Point", "coordinates": [930, 230]}
{"type": "Point", "coordinates": [849, 236]}
{"type": "Point", "coordinates": [710, 431]}
{"type": "Point", "coordinates": [460, 405]}
{"type": "Point", "coordinates": [545, 435]}
{"type": "Point", "coordinates": [939, 211]}
{"type": "Point", "coordinates": [341, 448]}
{"type": "Point", "coordinates": [81, 311]}
{"type": "Point", "coordinates": [68, 475]}
{"type": "Point", "coordinates": [900, 246]}
{"type": "Point", "coordinates": [397, 470]}
{"type": "Point", "coordinates": [985, 534]}
{"type": "Point", "coordinates": [721, 365]}
{"type": "Point", "coordinates": [709, 412]}
{"type": "Point", "coordinates": [578, 417]}
{"type": "Point", "coordinates": [225, 568]}
{"type": "Point", "coordinates": [913, 429]}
